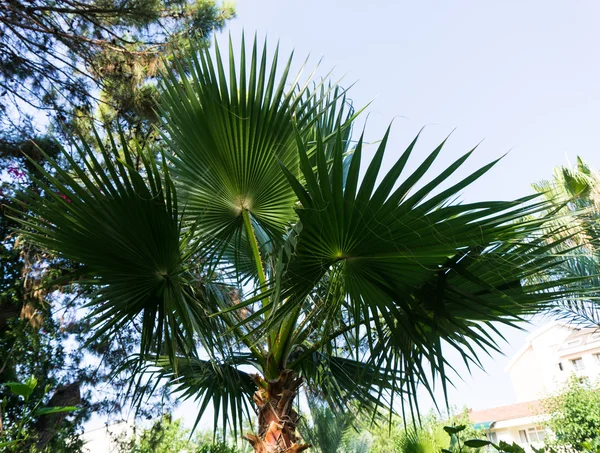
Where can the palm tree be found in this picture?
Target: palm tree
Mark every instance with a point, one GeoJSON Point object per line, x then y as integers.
{"type": "Point", "coordinates": [577, 234]}
{"type": "Point", "coordinates": [255, 257]}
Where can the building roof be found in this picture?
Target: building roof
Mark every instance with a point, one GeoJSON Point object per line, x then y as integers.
{"type": "Point", "coordinates": [512, 411]}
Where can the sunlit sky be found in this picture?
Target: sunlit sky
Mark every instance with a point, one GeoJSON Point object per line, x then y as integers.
{"type": "Point", "coordinates": [521, 77]}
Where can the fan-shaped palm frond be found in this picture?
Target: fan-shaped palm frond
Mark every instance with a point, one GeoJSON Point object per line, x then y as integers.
{"type": "Point", "coordinates": [229, 129]}
{"type": "Point", "coordinates": [414, 441]}
{"type": "Point", "coordinates": [325, 430]}
{"type": "Point", "coordinates": [121, 222]}
{"type": "Point", "coordinates": [418, 271]}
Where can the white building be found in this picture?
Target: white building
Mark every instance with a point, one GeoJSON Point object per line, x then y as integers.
{"type": "Point", "coordinates": [550, 355]}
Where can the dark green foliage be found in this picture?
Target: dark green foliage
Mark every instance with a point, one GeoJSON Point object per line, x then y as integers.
{"type": "Point", "coordinates": [259, 243]}
{"type": "Point", "coordinates": [42, 332]}
{"type": "Point", "coordinates": [145, 215]}
{"type": "Point", "coordinates": [28, 425]}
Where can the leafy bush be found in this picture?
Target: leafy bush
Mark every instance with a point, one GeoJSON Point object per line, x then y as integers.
{"type": "Point", "coordinates": [428, 437]}
{"type": "Point", "coordinates": [575, 415]}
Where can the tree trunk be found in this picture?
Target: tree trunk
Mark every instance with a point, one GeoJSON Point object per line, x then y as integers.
{"type": "Point", "coordinates": [48, 425]}
{"type": "Point", "coordinates": [277, 418]}
{"type": "Point", "coordinates": [8, 311]}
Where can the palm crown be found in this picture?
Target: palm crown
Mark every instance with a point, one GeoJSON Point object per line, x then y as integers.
{"type": "Point", "coordinates": [254, 243]}
{"type": "Point", "coordinates": [576, 232]}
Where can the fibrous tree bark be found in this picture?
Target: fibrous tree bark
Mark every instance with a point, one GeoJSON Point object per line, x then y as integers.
{"type": "Point", "coordinates": [277, 418]}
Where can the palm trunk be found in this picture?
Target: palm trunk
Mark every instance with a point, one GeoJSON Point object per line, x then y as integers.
{"type": "Point", "coordinates": [277, 419]}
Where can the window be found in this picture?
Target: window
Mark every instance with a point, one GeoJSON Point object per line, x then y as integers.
{"type": "Point", "coordinates": [523, 436]}
{"type": "Point", "coordinates": [492, 437]}
{"type": "Point", "coordinates": [560, 367]}
{"type": "Point", "coordinates": [577, 364]}
{"type": "Point", "coordinates": [536, 434]}
{"type": "Point", "coordinates": [597, 358]}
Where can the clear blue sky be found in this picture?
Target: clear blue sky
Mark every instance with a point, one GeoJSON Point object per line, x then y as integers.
{"type": "Point", "coordinates": [523, 76]}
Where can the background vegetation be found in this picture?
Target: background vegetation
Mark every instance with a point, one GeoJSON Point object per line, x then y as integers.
{"type": "Point", "coordinates": [63, 66]}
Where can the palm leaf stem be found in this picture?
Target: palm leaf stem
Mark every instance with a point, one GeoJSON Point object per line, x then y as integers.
{"type": "Point", "coordinates": [255, 348]}
{"type": "Point", "coordinates": [260, 270]}
{"type": "Point", "coordinates": [254, 247]}
{"type": "Point", "coordinates": [284, 339]}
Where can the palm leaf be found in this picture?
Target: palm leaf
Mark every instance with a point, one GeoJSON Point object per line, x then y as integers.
{"type": "Point", "coordinates": [326, 429]}
{"type": "Point", "coordinates": [347, 385]}
{"type": "Point", "coordinates": [217, 383]}
{"type": "Point", "coordinates": [420, 272]}
{"type": "Point", "coordinates": [575, 234]}
{"type": "Point", "coordinates": [228, 131]}
{"type": "Point", "coordinates": [122, 224]}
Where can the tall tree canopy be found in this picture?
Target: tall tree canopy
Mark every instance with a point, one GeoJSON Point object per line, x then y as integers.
{"type": "Point", "coordinates": [66, 57]}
